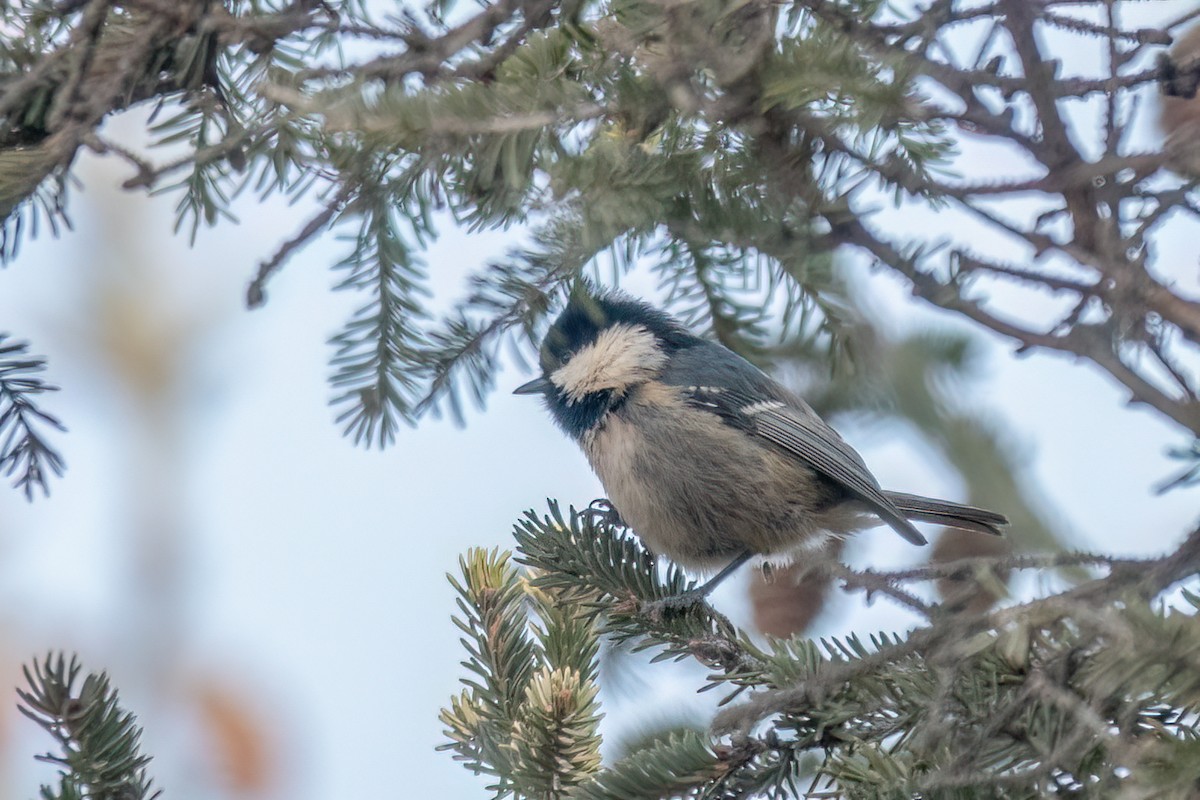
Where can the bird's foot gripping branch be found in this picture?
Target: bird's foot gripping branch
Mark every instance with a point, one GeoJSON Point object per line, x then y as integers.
{"type": "Point", "coordinates": [1095, 686]}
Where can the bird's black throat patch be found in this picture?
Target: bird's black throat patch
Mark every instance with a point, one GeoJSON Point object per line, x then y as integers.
{"type": "Point", "coordinates": [577, 418]}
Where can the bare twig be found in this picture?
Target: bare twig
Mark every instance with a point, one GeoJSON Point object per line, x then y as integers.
{"type": "Point", "coordinates": [256, 293]}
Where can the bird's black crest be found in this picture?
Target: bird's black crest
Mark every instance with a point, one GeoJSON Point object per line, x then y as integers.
{"type": "Point", "coordinates": [587, 313]}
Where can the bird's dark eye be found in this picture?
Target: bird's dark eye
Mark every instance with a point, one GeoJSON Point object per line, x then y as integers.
{"type": "Point", "coordinates": [556, 350]}
{"type": "Point", "coordinates": [556, 343]}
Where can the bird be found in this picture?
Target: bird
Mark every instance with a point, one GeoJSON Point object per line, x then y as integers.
{"type": "Point", "coordinates": [709, 460]}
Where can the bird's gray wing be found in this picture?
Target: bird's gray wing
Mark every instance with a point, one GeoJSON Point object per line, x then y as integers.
{"type": "Point", "coordinates": [757, 404]}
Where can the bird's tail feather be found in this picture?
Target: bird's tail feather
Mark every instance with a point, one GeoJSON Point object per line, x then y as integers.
{"type": "Point", "coordinates": [952, 515]}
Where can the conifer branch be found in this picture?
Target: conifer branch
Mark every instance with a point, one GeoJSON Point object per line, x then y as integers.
{"type": "Point", "coordinates": [528, 715]}
{"type": "Point", "coordinates": [99, 742]}
{"type": "Point", "coordinates": [25, 454]}
{"type": "Point", "coordinates": [1087, 687]}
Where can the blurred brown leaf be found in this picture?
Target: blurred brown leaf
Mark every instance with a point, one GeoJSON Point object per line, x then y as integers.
{"type": "Point", "coordinates": [970, 593]}
{"type": "Point", "coordinates": [786, 602]}
{"type": "Point", "coordinates": [241, 738]}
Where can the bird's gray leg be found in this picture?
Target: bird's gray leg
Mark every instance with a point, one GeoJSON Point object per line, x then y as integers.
{"type": "Point", "coordinates": [602, 510]}
{"type": "Point", "coordinates": [687, 599]}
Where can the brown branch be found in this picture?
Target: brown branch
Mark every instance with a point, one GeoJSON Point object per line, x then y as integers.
{"type": "Point", "coordinates": [1181, 311]}
{"type": "Point", "coordinates": [883, 40]}
{"type": "Point", "coordinates": [1166, 202]}
{"type": "Point", "coordinates": [1042, 280]}
{"type": "Point", "coordinates": [878, 583]}
{"type": "Point", "coordinates": [1090, 190]}
{"type": "Point", "coordinates": [537, 15]}
{"type": "Point", "coordinates": [1146, 578]}
{"type": "Point", "coordinates": [425, 55]}
{"type": "Point", "coordinates": [1140, 36]}
{"type": "Point", "coordinates": [1082, 341]}
{"type": "Point", "coordinates": [1079, 175]}
{"type": "Point", "coordinates": [256, 293]}
{"type": "Point", "coordinates": [963, 567]}
{"type": "Point", "coordinates": [1157, 347]}
{"type": "Point", "coordinates": [108, 67]}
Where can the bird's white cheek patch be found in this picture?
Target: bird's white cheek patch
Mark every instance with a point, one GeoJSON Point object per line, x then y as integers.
{"type": "Point", "coordinates": [621, 356]}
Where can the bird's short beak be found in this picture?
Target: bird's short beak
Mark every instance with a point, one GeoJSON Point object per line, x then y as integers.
{"type": "Point", "coordinates": [535, 386]}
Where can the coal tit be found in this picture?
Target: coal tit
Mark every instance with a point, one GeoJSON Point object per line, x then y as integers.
{"type": "Point", "coordinates": [710, 461]}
